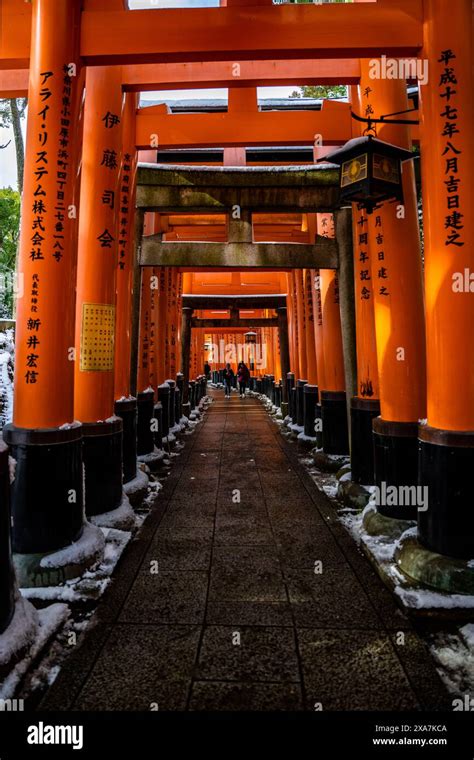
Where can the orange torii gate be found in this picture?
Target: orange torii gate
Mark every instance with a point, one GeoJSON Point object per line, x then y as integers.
{"type": "Point", "coordinates": [104, 35]}
{"type": "Point", "coordinates": [209, 75]}
{"type": "Point", "coordinates": [110, 35]}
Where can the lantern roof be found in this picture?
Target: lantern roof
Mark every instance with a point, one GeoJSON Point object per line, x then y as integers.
{"type": "Point", "coordinates": [359, 145]}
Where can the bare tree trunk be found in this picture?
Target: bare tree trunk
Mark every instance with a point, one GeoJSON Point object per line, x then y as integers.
{"type": "Point", "coordinates": [20, 149]}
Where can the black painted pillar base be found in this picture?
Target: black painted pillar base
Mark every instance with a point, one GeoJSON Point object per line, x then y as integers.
{"type": "Point", "coordinates": [292, 398]}
{"type": "Point", "coordinates": [158, 427]}
{"type": "Point", "coordinates": [278, 394]}
{"type": "Point", "coordinates": [102, 465]}
{"type": "Point", "coordinates": [290, 384]}
{"type": "Point", "coordinates": [164, 398]}
{"type": "Point", "coordinates": [300, 384]}
{"type": "Point", "coordinates": [310, 400]}
{"type": "Point", "coordinates": [363, 411]}
{"type": "Point", "coordinates": [446, 467]}
{"type": "Point", "coordinates": [145, 440]}
{"type": "Point", "coordinates": [192, 394]}
{"type": "Point", "coordinates": [7, 573]}
{"type": "Point", "coordinates": [179, 396]}
{"type": "Point", "coordinates": [335, 435]}
{"type": "Point", "coordinates": [47, 493]}
{"type": "Point", "coordinates": [172, 405]}
{"type": "Point", "coordinates": [127, 411]}
{"type": "Point", "coordinates": [395, 464]}
{"type": "Point", "coordinates": [319, 425]}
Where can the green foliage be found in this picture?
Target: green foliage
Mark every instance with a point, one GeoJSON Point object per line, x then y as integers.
{"type": "Point", "coordinates": [320, 91]}
{"type": "Point", "coordinates": [9, 234]}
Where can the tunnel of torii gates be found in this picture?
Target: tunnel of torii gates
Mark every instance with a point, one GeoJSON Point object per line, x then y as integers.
{"type": "Point", "coordinates": [132, 271]}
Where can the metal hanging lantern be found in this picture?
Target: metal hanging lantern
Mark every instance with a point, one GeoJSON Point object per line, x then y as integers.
{"type": "Point", "coordinates": [370, 171]}
{"type": "Point", "coordinates": [250, 338]}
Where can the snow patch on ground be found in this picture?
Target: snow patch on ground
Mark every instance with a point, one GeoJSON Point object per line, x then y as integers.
{"type": "Point", "coordinates": [153, 490]}
{"type": "Point", "coordinates": [91, 543]}
{"type": "Point", "coordinates": [325, 481]}
{"type": "Point", "coordinates": [122, 517]}
{"type": "Point", "coordinates": [422, 598]}
{"type": "Point", "coordinates": [454, 656]}
{"type": "Point", "coordinates": [138, 482]}
{"type": "Point", "coordinates": [92, 583]}
{"type": "Point", "coordinates": [296, 428]}
{"type": "Point", "coordinates": [303, 437]}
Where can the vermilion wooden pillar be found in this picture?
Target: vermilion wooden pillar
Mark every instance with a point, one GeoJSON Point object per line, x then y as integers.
{"type": "Point", "coordinates": [319, 343]}
{"type": "Point", "coordinates": [291, 324]}
{"type": "Point", "coordinates": [309, 332]}
{"type": "Point", "coordinates": [366, 404]}
{"type": "Point", "coordinates": [395, 274]}
{"type": "Point", "coordinates": [446, 442]}
{"type": "Point", "coordinates": [144, 354]}
{"type": "Point", "coordinates": [318, 326]}
{"type": "Point", "coordinates": [294, 324]}
{"type": "Point", "coordinates": [45, 440]}
{"type": "Point", "coordinates": [98, 252]}
{"type": "Point", "coordinates": [124, 263]}
{"type": "Point", "coordinates": [332, 393]}
{"type": "Point", "coordinates": [303, 366]}
{"type": "Point", "coordinates": [125, 404]}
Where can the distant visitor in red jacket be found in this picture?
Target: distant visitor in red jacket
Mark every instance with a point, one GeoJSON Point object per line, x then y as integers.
{"type": "Point", "coordinates": [243, 377]}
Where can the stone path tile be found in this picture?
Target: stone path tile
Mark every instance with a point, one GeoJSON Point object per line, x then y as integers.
{"type": "Point", "coordinates": [217, 695]}
{"type": "Point", "coordinates": [167, 596]}
{"type": "Point", "coordinates": [353, 670]}
{"type": "Point", "coordinates": [263, 654]}
{"type": "Point", "coordinates": [331, 599]}
{"type": "Point", "coordinates": [140, 665]}
{"type": "Point", "coordinates": [216, 604]}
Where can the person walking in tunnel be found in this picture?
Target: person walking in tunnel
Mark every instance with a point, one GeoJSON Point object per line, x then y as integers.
{"type": "Point", "coordinates": [228, 379]}
{"type": "Point", "coordinates": [243, 377]}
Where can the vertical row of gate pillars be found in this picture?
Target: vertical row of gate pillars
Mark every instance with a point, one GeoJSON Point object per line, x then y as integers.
{"type": "Point", "coordinates": [40, 543]}
{"type": "Point", "coordinates": [318, 419]}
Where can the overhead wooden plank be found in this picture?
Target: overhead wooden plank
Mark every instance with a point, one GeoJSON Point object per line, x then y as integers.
{"type": "Point", "coordinates": [14, 83]}
{"type": "Point", "coordinates": [267, 189]}
{"type": "Point", "coordinates": [323, 254]}
{"type": "Point", "coordinates": [251, 33]}
{"type": "Point", "coordinates": [249, 128]}
{"type": "Point", "coordinates": [209, 75]}
{"type": "Point", "coordinates": [262, 199]}
{"type": "Point", "coordinates": [203, 302]}
{"type": "Point", "coordinates": [210, 324]}
{"type": "Point", "coordinates": [241, 176]}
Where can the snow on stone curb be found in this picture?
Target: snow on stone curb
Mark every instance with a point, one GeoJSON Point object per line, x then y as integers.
{"type": "Point", "coordinates": [49, 621]}
{"type": "Point", "coordinates": [21, 632]}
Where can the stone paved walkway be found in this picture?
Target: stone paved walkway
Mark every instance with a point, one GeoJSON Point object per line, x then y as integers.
{"type": "Point", "coordinates": [236, 616]}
